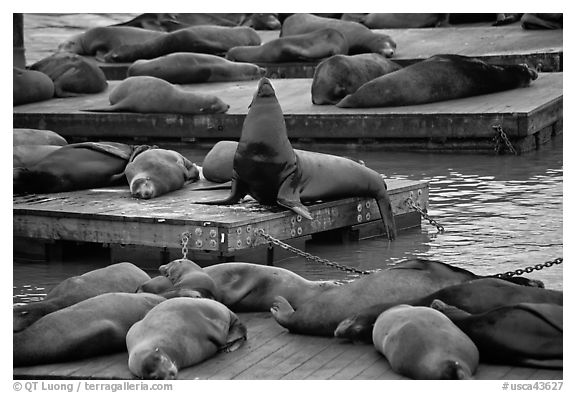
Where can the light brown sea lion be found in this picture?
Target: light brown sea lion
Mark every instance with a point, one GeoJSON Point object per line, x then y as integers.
{"type": "Point", "coordinates": [404, 21]}
{"type": "Point", "coordinates": [92, 327]}
{"type": "Point", "coordinates": [340, 75]}
{"type": "Point", "coordinates": [30, 86]}
{"type": "Point", "coordinates": [438, 78]}
{"type": "Point", "coordinates": [199, 39]}
{"type": "Point", "coordinates": [184, 68]}
{"type": "Point", "coordinates": [120, 277]}
{"type": "Point", "coordinates": [360, 38]}
{"type": "Point", "coordinates": [152, 172]}
{"type": "Point", "coordinates": [248, 287]}
{"type": "Point", "coordinates": [29, 136]}
{"type": "Point", "coordinates": [524, 334]}
{"type": "Point", "coordinates": [72, 74]}
{"type": "Point", "coordinates": [422, 343]}
{"type": "Point", "coordinates": [185, 274]}
{"type": "Point", "coordinates": [75, 166]}
{"type": "Point", "coordinates": [474, 296]}
{"type": "Point", "coordinates": [267, 168]}
{"type": "Point", "coordinates": [179, 333]}
{"type": "Point", "coordinates": [25, 156]}
{"type": "Point", "coordinates": [312, 46]}
{"type": "Point", "coordinates": [147, 94]}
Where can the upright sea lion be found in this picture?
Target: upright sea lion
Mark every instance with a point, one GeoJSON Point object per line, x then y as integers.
{"type": "Point", "coordinates": [152, 172]}
{"type": "Point", "coordinates": [120, 277]}
{"type": "Point", "coordinates": [524, 334]}
{"type": "Point", "coordinates": [340, 75]}
{"type": "Point", "coordinates": [266, 167]}
{"type": "Point", "coordinates": [179, 333]}
{"type": "Point", "coordinates": [72, 74]}
{"type": "Point", "coordinates": [407, 280]}
{"type": "Point", "coordinates": [184, 68]}
{"type": "Point", "coordinates": [315, 45]}
{"type": "Point", "coordinates": [199, 39]}
{"type": "Point", "coordinates": [92, 327]}
{"type": "Point", "coordinates": [360, 38]}
{"type": "Point", "coordinates": [147, 94]}
{"type": "Point", "coordinates": [438, 78]}
{"type": "Point", "coordinates": [404, 21]}
{"type": "Point", "coordinates": [187, 275]}
{"type": "Point", "coordinates": [422, 343]}
{"type": "Point", "coordinates": [475, 296]}
{"type": "Point", "coordinates": [30, 86]}
{"type": "Point", "coordinates": [30, 136]}
{"type": "Point", "coordinates": [76, 166]}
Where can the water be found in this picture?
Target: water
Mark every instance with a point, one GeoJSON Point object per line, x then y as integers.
{"type": "Point", "coordinates": [500, 213]}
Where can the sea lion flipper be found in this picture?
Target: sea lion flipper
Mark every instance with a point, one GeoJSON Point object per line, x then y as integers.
{"type": "Point", "coordinates": [236, 335]}
{"type": "Point", "coordinates": [237, 192]}
{"type": "Point", "coordinates": [289, 197]}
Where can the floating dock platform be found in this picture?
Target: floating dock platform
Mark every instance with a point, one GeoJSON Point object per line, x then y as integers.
{"type": "Point", "coordinates": [528, 116]}
{"type": "Point", "coordinates": [540, 49]}
{"type": "Point", "coordinates": [271, 352]}
{"type": "Point", "coordinates": [111, 216]}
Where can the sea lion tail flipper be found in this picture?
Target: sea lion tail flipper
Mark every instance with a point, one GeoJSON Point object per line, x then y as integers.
{"type": "Point", "coordinates": [454, 313]}
{"type": "Point", "coordinates": [289, 197]}
{"type": "Point", "coordinates": [296, 206]}
{"type": "Point", "coordinates": [237, 334]}
{"type": "Point", "coordinates": [387, 215]}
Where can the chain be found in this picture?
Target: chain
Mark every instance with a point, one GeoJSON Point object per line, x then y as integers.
{"type": "Point", "coordinates": [432, 221]}
{"type": "Point", "coordinates": [529, 269]}
{"type": "Point", "coordinates": [273, 241]}
{"type": "Point", "coordinates": [184, 241]}
{"type": "Point", "coordinates": [502, 137]}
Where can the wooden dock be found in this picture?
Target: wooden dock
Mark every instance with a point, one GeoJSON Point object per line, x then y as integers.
{"type": "Point", "coordinates": [111, 216]}
{"type": "Point", "coordinates": [271, 352]}
{"type": "Point", "coordinates": [541, 49]}
{"type": "Point", "coordinates": [529, 117]}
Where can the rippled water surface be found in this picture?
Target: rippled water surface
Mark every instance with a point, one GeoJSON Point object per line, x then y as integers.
{"type": "Point", "coordinates": [500, 213]}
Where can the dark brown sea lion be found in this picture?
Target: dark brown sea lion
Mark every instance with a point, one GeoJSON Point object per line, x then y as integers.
{"type": "Point", "coordinates": [120, 277]}
{"type": "Point", "coordinates": [179, 333]}
{"type": "Point", "coordinates": [76, 166]}
{"type": "Point", "coordinates": [422, 343]}
{"type": "Point", "coordinates": [30, 136]}
{"type": "Point", "coordinates": [248, 287]}
{"type": "Point", "coordinates": [312, 46]}
{"type": "Point", "coordinates": [184, 68]}
{"type": "Point", "coordinates": [72, 74]}
{"type": "Point", "coordinates": [266, 167]}
{"type": "Point", "coordinates": [199, 39]}
{"type": "Point", "coordinates": [30, 86]}
{"type": "Point", "coordinates": [524, 334]}
{"type": "Point", "coordinates": [152, 172]}
{"type": "Point", "coordinates": [360, 38]}
{"type": "Point", "coordinates": [187, 275]}
{"type": "Point", "coordinates": [438, 78]}
{"type": "Point", "coordinates": [147, 94]}
{"type": "Point", "coordinates": [404, 21]}
{"type": "Point", "coordinates": [340, 75]}
{"type": "Point", "coordinates": [92, 327]}
{"type": "Point", "coordinates": [475, 296]}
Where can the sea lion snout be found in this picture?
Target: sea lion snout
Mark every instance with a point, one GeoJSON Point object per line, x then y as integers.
{"type": "Point", "coordinates": [157, 365]}
{"type": "Point", "coordinates": [265, 88]}
{"type": "Point", "coordinates": [142, 188]}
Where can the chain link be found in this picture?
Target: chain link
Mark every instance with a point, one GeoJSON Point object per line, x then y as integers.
{"type": "Point", "coordinates": [410, 202]}
{"type": "Point", "coordinates": [502, 137]}
{"type": "Point", "coordinates": [184, 237]}
{"type": "Point", "coordinates": [273, 241]}
{"type": "Point", "coordinates": [529, 269]}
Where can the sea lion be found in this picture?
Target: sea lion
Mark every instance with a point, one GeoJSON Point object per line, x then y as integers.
{"type": "Point", "coordinates": [72, 74]}
{"type": "Point", "coordinates": [147, 94]}
{"type": "Point", "coordinates": [157, 285]}
{"type": "Point", "coordinates": [524, 334]}
{"type": "Point", "coordinates": [248, 287]}
{"type": "Point", "coordinates": [199, 39]}
{"type": "Point", "coordinates": [185, 274]}
{"type": "Point", "coordinates": [438, 78]}
{"type": "Point", "coordinates": [184, 68]}
{"type": "Point", "coordinates": [99, 41]}
{"type": "Point", "coordinates": [152, 21]}
{"type": "Point", "coordinates": [152, 172]}
{"type": "Point", "coordinates": [25, 156]}
{"type": "Point", "coordinates": [340, 75]}
{"type": "Point", "coordinates": [542, 21]}
{"type": "Point", "coordinates": [360, 38]}
{"type": "Point", "coordinates": [92, 327]}
{"type": "Point", "coordinates": [311, 46]}
{"type": "Point", "coordinates": [474, 296]}
{"type": "Point", "coordinates": [30, 86]}
{"type": "Point", "coordinates": [404, 21]}
{"type": "Point", "coordinates": [30, 136]}
{"type": "Point", "coordinates": [179, 333]}
{"type": "Point", "coordinates": [407, 280]}
{"type": "Point", "coordinates": [119, 277]}
{"type": "Point", "coordinates": [422, 343]}
{"type": "Point", "coordinates": [266, 167]}
{"type": "Point", "coordinates": [76, 166]}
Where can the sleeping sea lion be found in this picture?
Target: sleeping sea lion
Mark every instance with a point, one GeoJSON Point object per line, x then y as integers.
{"type": "Point", "coordinates": [30, 136]}
{"type": "Point", "coordinates": [30, 86]}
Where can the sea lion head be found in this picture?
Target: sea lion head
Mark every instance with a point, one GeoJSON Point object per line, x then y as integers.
{"type": "Point", "coordinates": [73, 44]}
{"type": "Point", "coordinates": [265, 89]}
{"type": "Point", "coordinates": [356, 329]}
{"type": "Point", "coordinates": [143, 188]}
{"type": "Point", "coordinates": [158, 365]}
